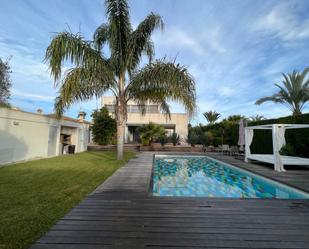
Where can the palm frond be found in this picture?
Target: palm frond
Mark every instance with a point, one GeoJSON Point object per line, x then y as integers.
{"type": "Point", "coordinates": [165, 108]}
{"type": "Point", "coordinates": [140, 40]}
{"type": "Point", "coordinates": [119, 31]}
{"type": "Point", "coordinates": [211, 116]}
{"type": "Point", "coordinates": [72, 47]}
{"type": "Point", "coordinates": [161, 82]}
{"type": "Point", "coordinates": [101, 36]}
{"type": "Point", "coordinates": [275, 98]}
{"type": "Point", "coordinates": [81, 84]}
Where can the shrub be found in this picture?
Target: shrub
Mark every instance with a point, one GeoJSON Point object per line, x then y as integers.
{"type": "Point", "coordinates": [206, 138]}
{"type": "Point", "coordinates": [150, 132]}
{"type": "Point", "coordinates": [104, 127]}
{"type": "Point", "coordinates": [163, 139]}
{"type": "Point", "coordinates": [287, 150]}
{"type": "Point", "coordinates": [192, 138]}
{"type": "Point", "coordinates": [175, 138]}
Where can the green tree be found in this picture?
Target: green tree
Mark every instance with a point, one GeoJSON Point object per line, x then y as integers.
{"type": "Point", "coordinates": [94, 73]}
{"type": "Point", "coordinates": [294, 91]}
{"type": "Point", "coordinates": [206, 138]}
{"type": "Point", "coordinates": [211, 116]}
{"type": "Point", "coordinates": [233, 118]}
{"type": "Point", "coordinates": [150, 132]}
{"type": "Point", "coordinates": [104, 126]}
{"type": "Point", "coordinates": [193, 137]}
{"type": "Point", "coordinates": [5, 83]}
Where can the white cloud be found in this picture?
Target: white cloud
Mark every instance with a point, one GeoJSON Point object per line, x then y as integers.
{"type": "Point", "coordinates": [177, 38]}
{"type": "Point", "coordinates": [31, 96]}
{"type": "Point", "coordinates": [24, 64]}
{"type": "Point", "coordinates": [283, 22]}
{"type": "Point", "coordinates": [200, 44]}
{"type": "Point", "coordinates": [226, 91]}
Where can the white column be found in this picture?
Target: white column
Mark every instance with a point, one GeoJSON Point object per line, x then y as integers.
{"type": "Point", "coordinates": [248, 141]}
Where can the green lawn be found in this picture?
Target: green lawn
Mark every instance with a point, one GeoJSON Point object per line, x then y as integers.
{"type": "Point", "coordinates": [35, 194]}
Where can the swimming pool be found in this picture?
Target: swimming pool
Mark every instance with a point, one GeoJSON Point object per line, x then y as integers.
{"type": "Point", "coordinates": [201, 176]}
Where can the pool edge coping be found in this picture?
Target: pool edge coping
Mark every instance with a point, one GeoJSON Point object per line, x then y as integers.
{"type": "Point", "coordinates": [267, 178]}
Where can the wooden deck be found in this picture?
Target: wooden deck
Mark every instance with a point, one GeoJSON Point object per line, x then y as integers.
{"type": "Point", "coordinates": [121, 213]}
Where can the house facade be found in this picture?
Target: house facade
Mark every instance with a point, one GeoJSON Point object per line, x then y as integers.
{"type": "Point", "coordinates": [178, 122]}
{"type": "Point", "coordinates": [25, 135]}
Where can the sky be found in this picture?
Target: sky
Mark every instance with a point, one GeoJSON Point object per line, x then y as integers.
{"type": "Point", "coordinates": [235, 50]}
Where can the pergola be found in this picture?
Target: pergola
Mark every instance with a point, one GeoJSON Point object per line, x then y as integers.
{"type": "Point", "coordinates": [278, 140]}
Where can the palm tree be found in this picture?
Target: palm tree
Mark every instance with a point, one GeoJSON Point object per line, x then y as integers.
{"type": "Point", "coordinates": [294, 92]}
{"type": "Point", "coordinates": [257, 118]}
{"type": "Point", "coordinates": [94, 73]}
{"type": "Point", "coordinates": [211, 116]}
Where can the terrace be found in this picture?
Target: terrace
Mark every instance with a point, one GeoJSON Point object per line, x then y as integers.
{"type": "Point", "coordinates": [122, 213]}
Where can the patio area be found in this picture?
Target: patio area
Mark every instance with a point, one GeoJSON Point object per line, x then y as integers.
{"type": "Point", "coordinates": [121, 213]}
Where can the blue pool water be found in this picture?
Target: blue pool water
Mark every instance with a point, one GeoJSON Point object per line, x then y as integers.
{"type": "Point", "coordinates": [206, 177]}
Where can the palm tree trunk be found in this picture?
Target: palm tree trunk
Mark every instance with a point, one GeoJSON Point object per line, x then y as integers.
{"type": "Point", "coordinates": [121, 118]}
{"type": "Point", "coordinates": [120, 140]}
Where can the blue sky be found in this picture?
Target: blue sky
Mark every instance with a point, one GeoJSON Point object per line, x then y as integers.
{"type": "Point", "coordinates": [235, 50]}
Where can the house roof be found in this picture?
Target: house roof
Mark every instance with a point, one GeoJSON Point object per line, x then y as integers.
{"type": "Point", "coordinates": [67, 118]}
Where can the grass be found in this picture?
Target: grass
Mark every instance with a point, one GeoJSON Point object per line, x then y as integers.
{"type": "Point", "coordinates": [35, 194]}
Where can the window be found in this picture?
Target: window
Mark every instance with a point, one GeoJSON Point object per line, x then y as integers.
{"type": "Point", "coordinates": [135, 108]}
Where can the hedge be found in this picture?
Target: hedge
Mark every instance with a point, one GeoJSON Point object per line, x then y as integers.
{"type": "Point", "coordinates": [298, 138]}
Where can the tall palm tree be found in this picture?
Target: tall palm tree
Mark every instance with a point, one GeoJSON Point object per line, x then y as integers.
{"type": "Point", "coordinates": [94, 73]}
{"type": "Point", "coordinates": [294, 92]}
{"type": "Point", "coordinates": [211, 116]}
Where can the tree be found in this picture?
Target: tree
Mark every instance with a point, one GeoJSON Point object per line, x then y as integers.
{"type": "Point", "coordinates": [257, 118]}
{"type": "Point", "coordinates": [104, 126]}
{"type": "Point", "coordinates": [5, 83]}
{"type": "Point", "coordinates": [211, 116]}
{"type": "Point", "coordinates": [233, 118]}
{"type": "Point", "coordinates": [193, 138]}
{"type": "Point", "coordinates": [294, 92]}
{"type": "Point", "coordinates": [150, 132]}
{"type": "Point", "coordinates": [158, 81]}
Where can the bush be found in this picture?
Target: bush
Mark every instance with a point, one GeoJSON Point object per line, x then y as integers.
{"type": "Point", "coordinates": [174, 138]}
{"type": "Point", "coordinates": [150, 132]}
{"type": "Point", "coordinates": [193, 138]}
{"type": "Point", "coordinates": [206, 138]}
{"type": "Point", "coordinates": [104, 127]}
{"type": "Point", "coordinates": [287, 150]}
{"type": "Point", "coordinates": [163, 139]}
{"type": "Point", "coordinates": [214, 134]}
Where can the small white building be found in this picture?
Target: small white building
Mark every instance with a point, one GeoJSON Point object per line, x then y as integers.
{"type": "Point", "coordinates": [25, 135]}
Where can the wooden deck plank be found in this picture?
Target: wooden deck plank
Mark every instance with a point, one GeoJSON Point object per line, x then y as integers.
{"type": "Point", "coordinates": [121, 213]}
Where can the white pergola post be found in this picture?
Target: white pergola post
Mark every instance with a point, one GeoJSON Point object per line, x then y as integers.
{"type": "Point", "coordinates": [248, 141]}
{"type": "Point", "coordinates": [278, 142]}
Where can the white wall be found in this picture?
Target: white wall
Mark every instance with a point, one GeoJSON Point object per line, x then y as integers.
{"type": "Point", "coordinates": [25, 136]}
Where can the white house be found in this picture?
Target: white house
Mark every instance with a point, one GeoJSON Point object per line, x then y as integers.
{"type": "Point", "coordinates": [25, 135]}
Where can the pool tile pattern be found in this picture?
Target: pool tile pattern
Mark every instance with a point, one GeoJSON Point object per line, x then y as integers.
{"type": "Point", "coordinates": [204, 177]}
